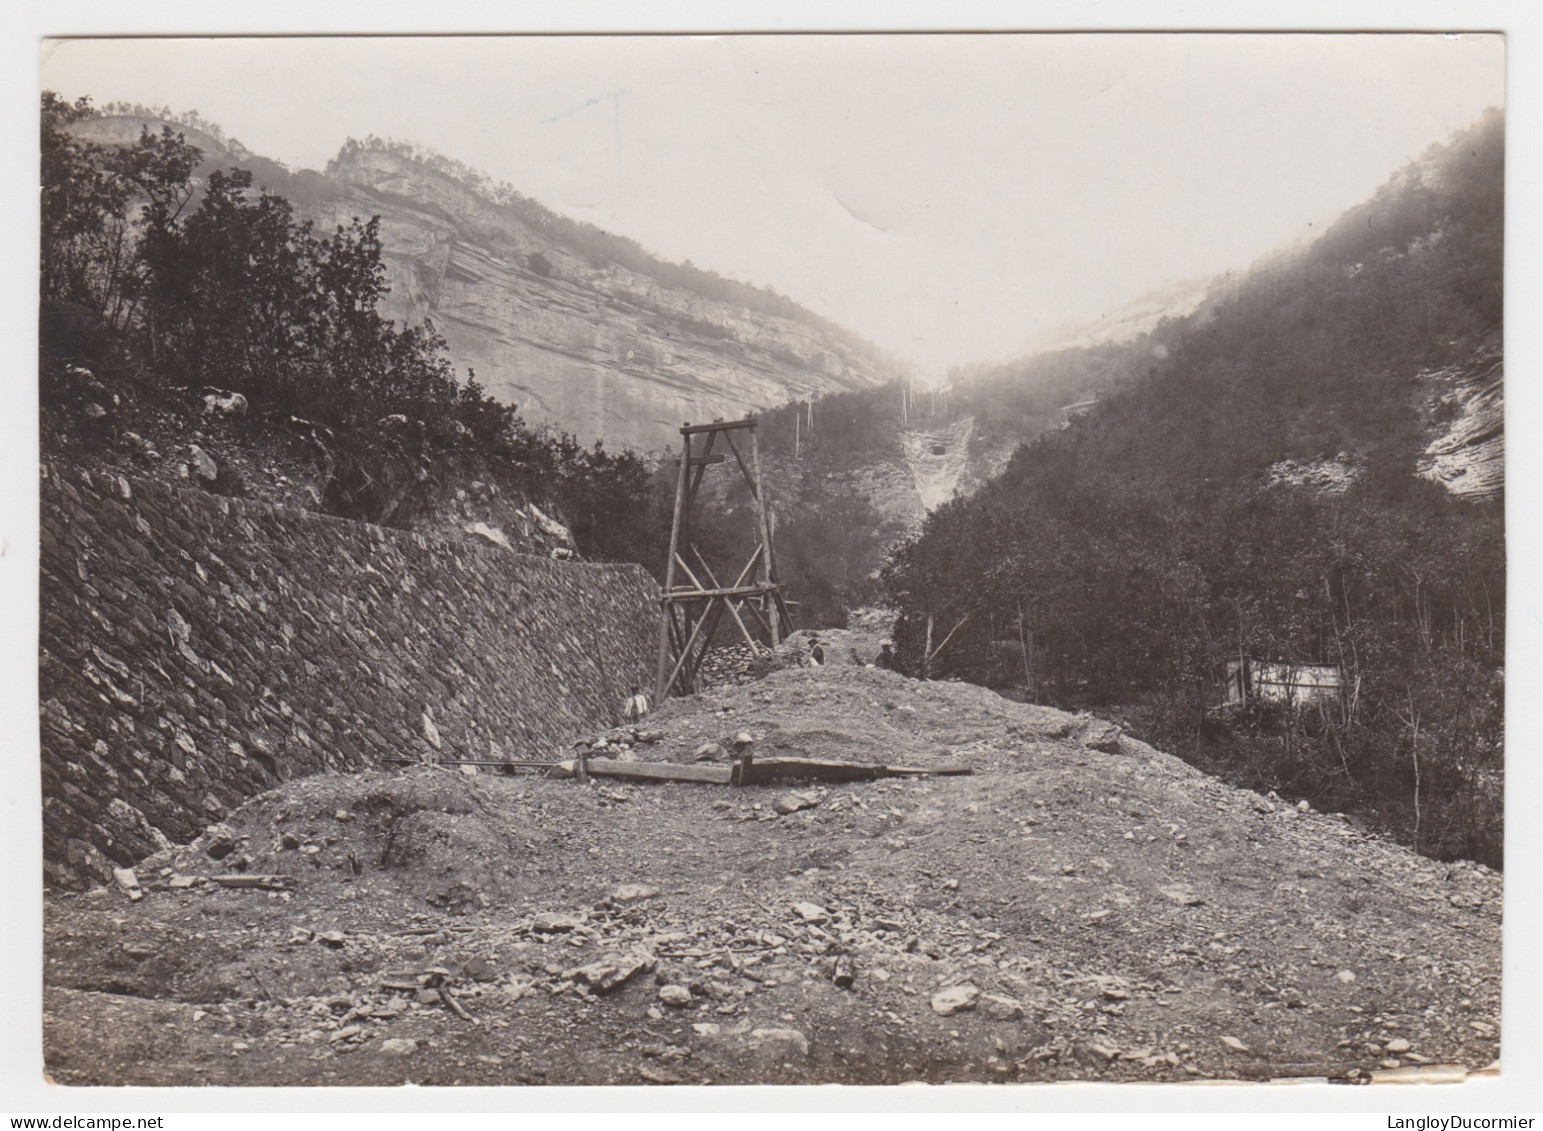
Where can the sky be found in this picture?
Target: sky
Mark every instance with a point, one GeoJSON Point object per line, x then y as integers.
{"type": "Point", "coordinates": [949, 197]}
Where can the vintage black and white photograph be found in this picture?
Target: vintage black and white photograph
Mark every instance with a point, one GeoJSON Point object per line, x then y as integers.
{"type": "Point", "coordinates": [772, 559]}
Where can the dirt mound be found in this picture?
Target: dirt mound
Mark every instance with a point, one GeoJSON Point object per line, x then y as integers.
{"type": "Point", "coordinates": [446, 838]}
{"type": "Point", "coordinates": [862, 714]}
{"type": "Point", "coordinates": [1081, 907]}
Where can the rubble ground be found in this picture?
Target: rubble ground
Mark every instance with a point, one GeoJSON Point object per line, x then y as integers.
{"type": "Point", "coordinates": [1081, 907]}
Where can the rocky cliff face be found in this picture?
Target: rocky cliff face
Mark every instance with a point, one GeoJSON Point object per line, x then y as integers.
{"type": "Point", "coordinates": [573, 339]}
{"type": "Point", "coordinates": [1464, 408]}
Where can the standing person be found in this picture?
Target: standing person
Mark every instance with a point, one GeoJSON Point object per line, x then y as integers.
{"type": "Point", "coordinates": [816, 653]}
{"type": "Point", "coordinates": [886, 658]}
{"type": "Point", "coordinates": [635, 707]}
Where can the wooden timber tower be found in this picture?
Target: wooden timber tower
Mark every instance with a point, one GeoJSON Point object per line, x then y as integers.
{"type": "Point", "coordinates": [692, 603]}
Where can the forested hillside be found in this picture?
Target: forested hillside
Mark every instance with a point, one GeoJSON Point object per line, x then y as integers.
{"type": "Point", "coordinates": [193, 324]}
{"type": "Point", "coordinates": [584, 329]}
{"type": "Point", "coordinates": [1126, 558]}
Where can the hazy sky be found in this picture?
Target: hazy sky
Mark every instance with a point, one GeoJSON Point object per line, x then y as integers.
{"type": "Point", "coordinates": [946, 196]}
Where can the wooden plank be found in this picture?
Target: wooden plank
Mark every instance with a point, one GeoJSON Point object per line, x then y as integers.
{"type": "Point", "coordinates": [768, 570]}
{"type": "Point", "coordinates": [744, 468]}
{"type": "Point", "coordinates": [548, 764]}
{"type": "Point", "coordinates": [698, 461]}
{"type": "Point", "coordinates": [661, 688]}
{"type": "Point", "coordinates": [769, 770]}
{"type": "Point", "coordinates": [658, 771]}
{"type": "Point", "coordinates": [272, 883]}
{"type": "Point", "coordinates": [701, 469]}
{"type": "Point", "coordinates": [737, 591]}
{"type": "Point", "coordinates": [719, 426]}
{"type": "Point", "coordinates": [806, 769]}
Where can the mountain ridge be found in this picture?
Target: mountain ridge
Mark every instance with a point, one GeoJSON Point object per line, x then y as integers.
{"type": "Point", "coordinates": [589, 345]}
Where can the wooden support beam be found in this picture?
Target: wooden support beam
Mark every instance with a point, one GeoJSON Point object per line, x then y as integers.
{"type": "Point", "coordinates": [753, 480]}
{"type": "Point", "coordinates": [701, 469]}
{"type": "Point", "coordinates": [685, 653]}
{"type": "Point", "coordinates": [749, 771]}
{"type": "Point", "coordinates": [739, 591]}
{"type": "Point", "coordinates": [712, 616]}
{"type": "Point", "coordinates": [730, 604]}
{"type": "Point", "coordinates": [718, 426]}
{"type": "Point", "coordinates": [658, 771]}
{"type": "Point", "coordinates": [768, 570]}
{"type": "Point", "coordinates": [660, 684]}
{"type": "Point", "coordinates": [691, 612]}
{"type": "Point", "coordinates": [770, 770]}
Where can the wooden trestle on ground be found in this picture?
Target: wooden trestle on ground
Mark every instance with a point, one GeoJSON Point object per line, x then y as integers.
{"type": "Point", "coordinates": [693, 604]}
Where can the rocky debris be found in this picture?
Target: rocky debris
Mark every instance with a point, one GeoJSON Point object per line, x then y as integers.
{"type": "Point", "coordinates": [1182, 894]}
{"type": "Point", "coordinates": [1464, 409]}
{"type": "Point", "coordinates": [675, 996]}
{"type": "Point", "coordinates": [1013, 891]}
{"type": "Point", "coordinates": [955, 999]}
{"type": "Point", "coordinates": [612, 971]}
{"type": "Point", "coordinates": [128, 883]}
{"type": "Point", "coordinates": [479, 970]}
{"type": "Point", "coordinates": [1324, 476]}
{"type": "Point", "coordinates": [223, 403]}
{"type": "Point", "coordinates": [398, 1046]}
{"type": "Point", "coordinates": [938, 459]}
{"type": "Point", "coordinates": [778, 1046]}
{"type": "Point", "coordinates": [489, 534]}
{"type": "Point", "coordinates": [632, 893]}
{"type": "Point", "coordinates": [1096, 734]}
{"type": "Point", "coordinates": [709, 752]}
{"type": "Point", "coordinates": [739, 664]}
{"type": "Point", "coordinates": [790, 803]}
{"type": "Point", "coordinates": [202, 464]}
{"type": "Point", "coordinates": [551, 922]}
{"type": "Point", "coordinates": [728, 666]}
{"type": "Point", "coordinates": [139, 447]}
{"type": "Point", "coordinates": [431, 729]}
{"type": "Point", "coordinates": [998, 1007]}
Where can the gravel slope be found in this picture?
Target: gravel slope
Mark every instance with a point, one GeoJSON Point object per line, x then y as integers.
{"type": "Point", "coordinates": [1064, 913]}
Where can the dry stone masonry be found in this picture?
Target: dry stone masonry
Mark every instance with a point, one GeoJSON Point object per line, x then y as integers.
{"type": "Point", "coordinates": [197, 650]}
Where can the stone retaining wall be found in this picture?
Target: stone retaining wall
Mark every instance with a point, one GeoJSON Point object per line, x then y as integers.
{"type": "Point", "coordinates": [197, 650]}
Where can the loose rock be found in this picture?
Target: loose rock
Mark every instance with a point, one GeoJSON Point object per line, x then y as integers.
{"type": "Point", "coordinates": [612, 971]}
{"type": "Point", "coordinates": [1000, 1008]}
{"type": "Point", "coordinates": [955, 999]}
{"type": "Point", "coordinates": [205, 466]}
{"type": "Point", "coordinates": [674, 996]}
{"type": "Point", "coordinates": [779, 1046]}
{"type": "Point", "coordinates": [553, 922]}
{"type": "Point", "coordinates": [633, 893]}
{"type": "Point", "coordinates": [1182, 894]}
{"type": "Point", "coordinates": [794, 802]}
